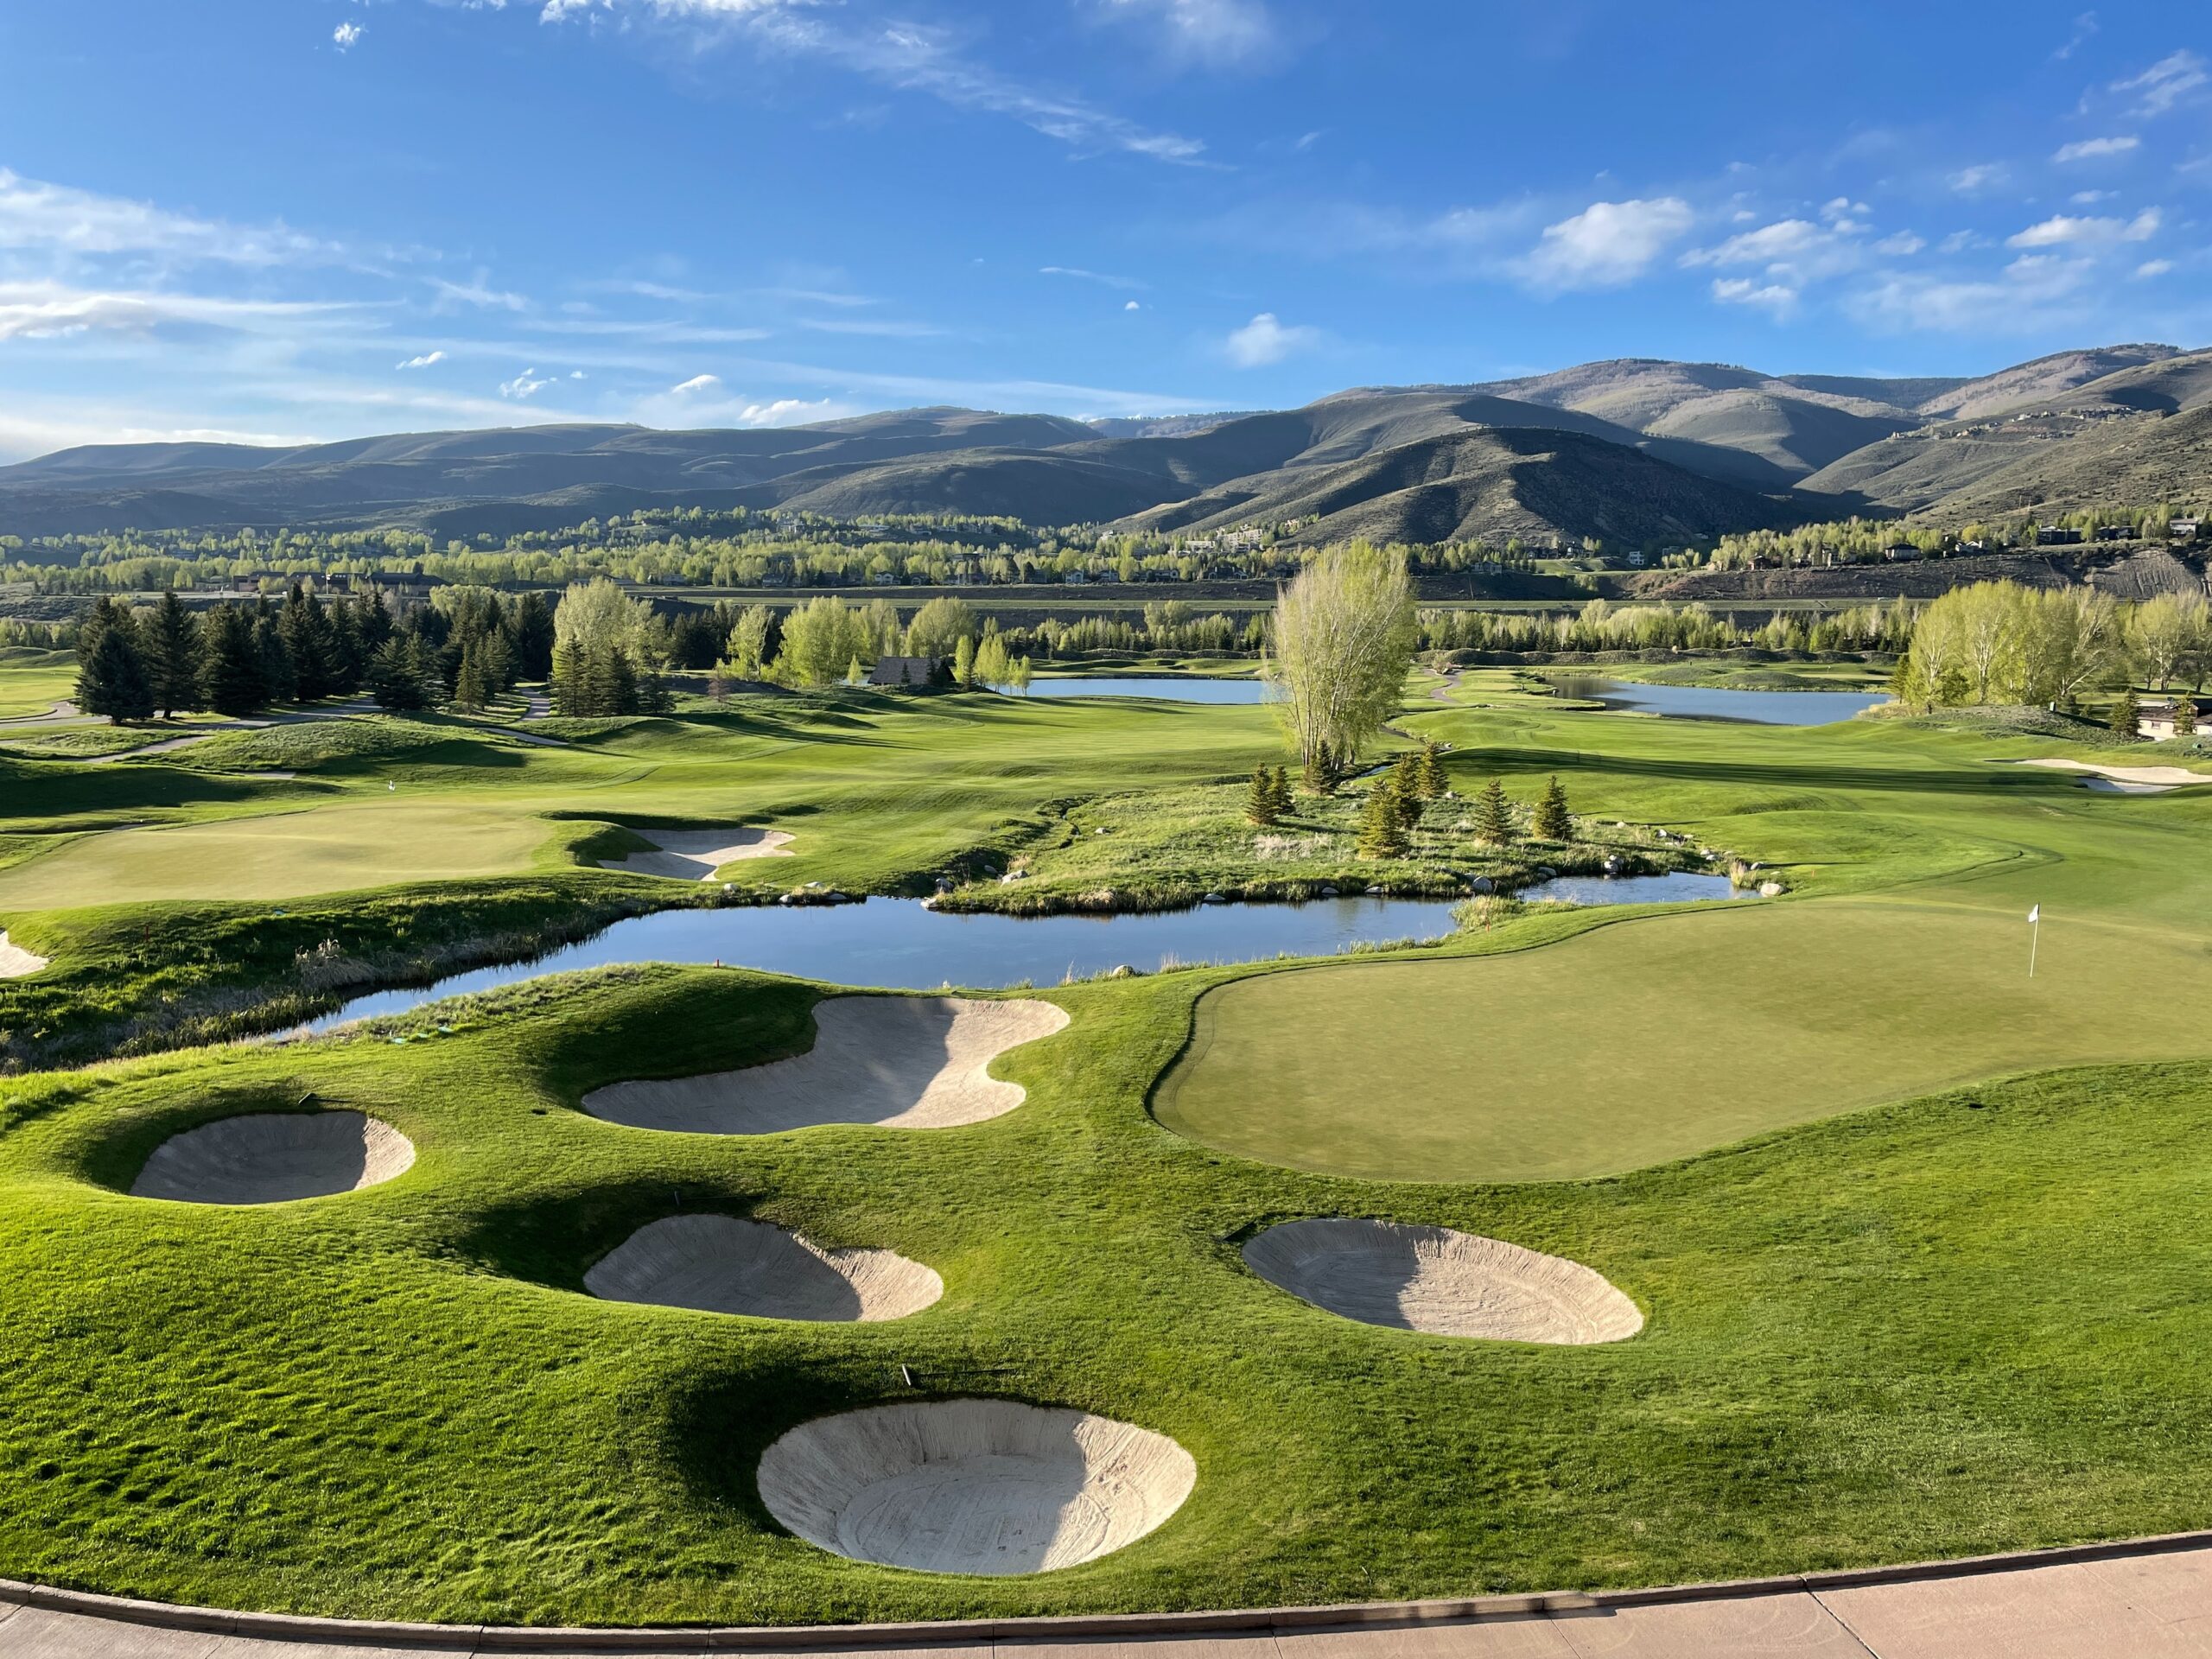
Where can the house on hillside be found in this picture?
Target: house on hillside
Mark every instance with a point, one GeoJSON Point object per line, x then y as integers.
{"type": "Point", "coordinates": [1901, 552]}
{"type": "Point", "coordinates": [2114, 533]}
{"type": "Point", "coordinates": [2185, 530]}
{"type": "Point", "coordinates": [904, 671]}
{"type": "Point", "coordinates": [2057, 536]}
{"type": "Point", "coordinates": [2156, 721]}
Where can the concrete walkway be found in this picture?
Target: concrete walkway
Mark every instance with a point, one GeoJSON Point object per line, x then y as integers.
{"type": "Point", "coordinates": [2144, 1602]}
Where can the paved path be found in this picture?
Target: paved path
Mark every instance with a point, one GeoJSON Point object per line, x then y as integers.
{"type": "Point", "coordinates": [2145, 1606]}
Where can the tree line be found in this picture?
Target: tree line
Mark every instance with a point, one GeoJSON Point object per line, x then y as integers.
{"type": "Point", "coordinates": [1998, 642]}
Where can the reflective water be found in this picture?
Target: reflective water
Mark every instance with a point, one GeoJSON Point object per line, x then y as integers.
{"type": "Point", "coordinates": [899, 944]}
{"type": "Point", "coordinates": [1172, 688]}
{"type": "Point", "coordinates": [1712, 702]}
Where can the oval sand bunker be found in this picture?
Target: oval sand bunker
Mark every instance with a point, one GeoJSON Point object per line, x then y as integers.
{"type": "Point", "coordinates": [981, 1486]}
{"type": "Point", "coordinates": [720, 1264]}
{"type": "Point", "coordinates": [898, 1062]}
{"type": "Point", "coordinates": [270, 1157]}
{"type": "Point", "coordinates": [1446, 1283]}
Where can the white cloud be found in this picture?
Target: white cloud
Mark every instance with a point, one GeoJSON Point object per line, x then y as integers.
{"type": "Point", "coordinates": [907, 56]}
{"type": "Point", "coordinates": [1131, 305]}
{"type": "Point", "coordinates": [1264, 340]}
{"type": "Point", "coordinates": [2084, 27]}
{"type": "Point", "coordinates": [2033, 296]}
{"type": "Point", "coordinates": [576, 374]}
{"type": "Point", "coordinates": [1957, 242]}
{"type": "Point", "coordinates": [1220, 34]}
{"type": "Point", "coordinates": [346, 34]}
{"type": "Point", "coordinates": [1900, 246]}
{"type": "Point", "coordinates": [2091, 198]}
{"type": "Point", "coordinates": [1794, 250]}
{"type": "Point", "coordinates": [1744, 290]}
{"type": "Point", "coordinates": [528, 383]}
{"type": "Point", "coordinates": [1608, 244]}
{"type": "Point", "coordinates": [477, 292]}
{"type": "Point", "coordinates": [59, 218]}
{"type": "Point", "coordinates": [2061, 229]}
{"type": "Point", "coordinates": [791, 411]}
{"type": "Point", "coordinates": [2166, 83]}
{"type": "Point", "coordinates": [2090, 149]}
{"type": "Point", "coordinates": [2154, 267]}
{"type": "Point", "coordinates": [1779, 240]}
{"type": "Point", "coordinates": [51, 310]}
{"type": "Point", "coordinates": [423, 361]}
{"type": "Point", "coordinates": [697, 385]}
{"type": "Point", "coordinates": [1967, 180]}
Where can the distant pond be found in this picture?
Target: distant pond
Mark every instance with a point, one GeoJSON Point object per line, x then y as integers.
{"type": "Point", "coordinates": [901, 944]}
{"type": "Point", "coordinates": [1712, 702]}
{"type": "Point", "coordinates": [1177, 687]}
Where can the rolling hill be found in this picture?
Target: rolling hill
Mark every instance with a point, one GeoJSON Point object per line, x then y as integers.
{"type": "Point", "coordinates": [1631, 450]}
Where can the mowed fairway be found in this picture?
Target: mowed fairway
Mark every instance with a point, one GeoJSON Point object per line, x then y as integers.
{"type": "Point", "coordinates": [279, 854]}
{"type": "Point", "coordinates": [1655, 1039]}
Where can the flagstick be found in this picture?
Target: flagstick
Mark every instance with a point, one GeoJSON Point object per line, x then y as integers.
{"type": "Point", "coordinates": [2035, 937]}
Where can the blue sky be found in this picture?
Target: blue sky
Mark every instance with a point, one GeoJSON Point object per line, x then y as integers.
{"type": "Point", "coordinates": [281, 219]}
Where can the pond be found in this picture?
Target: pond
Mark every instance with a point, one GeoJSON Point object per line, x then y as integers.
{"type": "Point", "coordinates": [901, 944]}
{"type": "Point", "coordinates": [1713, 703]}
{"type": "Point", "coordinates": [1179, 688]}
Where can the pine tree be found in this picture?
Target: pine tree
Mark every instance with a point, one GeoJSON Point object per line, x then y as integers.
{"type": "Point", "coordinates": [1260, 798]}
{"type": "Point", "coordinates": [1552, 821]}
{"type": "Point", "coordinates": [1279, 792]}
{"type": "Point", "coordinates": [2127, 715]}
{"type": "Point", "coordinates": [1431, 772]}
{"type": "Point", "coordinates": [620, 680]}
{"type": "Point", "coordinates": [399, 675]}
{"type": "Point", "coordinates": [305, 630]}
{"type": "Point", "coordinates": [271, 660]}
{"type": "Point", "coordinates": [469, 692]}
{"type": "Point", "coordinates": [1493, 815]}
{"type": "Point", "coordinates": [1382, 826]}
{"type": "Point", "coordinates": [169, 642]}
{"type": "Point", "coordinates": [1404, 779]}
{"type": "Point", "coordinates": [2184, 717]}
{"type": "Point", "coordinates": [534, 638]}
{"type": "Point", "coordinates": [1323, 773]}
{"type": "Point", "coordinates": [112, 680]}
{"type": "Point", "coordinates": [230, 667]}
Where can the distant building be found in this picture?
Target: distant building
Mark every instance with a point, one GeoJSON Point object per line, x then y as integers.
{"type": "Point", "coordinates": [904, 671]}
{"type": "Point", "coordinates": [2057, 536]}
{"type": "Point", "coordinates": [2114, 533]}
{"type": "Point", "coordinates": [2156, 721]}
{"type": "Point", "coordinates": [2185, 530]}
{"type": "Point", "coordinates": [1902, 552]}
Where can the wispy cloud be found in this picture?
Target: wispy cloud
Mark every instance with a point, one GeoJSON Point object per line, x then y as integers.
{"type": "Point", "coordinates": [1776, 297]}
{"type": "Point", "coordinates": [478, 292]}
{"type": "Point", "coordinates": [1265, 341]}
{"type": "Point", "coordinates": [50, 310]}
{"type": "Point", "coordinates": [2166, 83]}
{"type": "Point", "coordinates": [1607, 244]}
{"type": "Point", "coordinates": [2060, 229]}
{"type": "Point", "coordinates": [346, 34]}
{"type": "Point", "coordinates": [59, 218]}
{"type": "Point", "coordinates": [1081, 275]}
{"type": "Point", "coordinates": [907, 56]}
{"type": "Point", "coordinates": [1215, 33]}
{"type": "Point", "coordinates": [528, 383]}
{"type": "Point", "coordinates": [1980, 176]}
{"type": "Point", "coordinates": [424, 361]}
{"type": "Point", "coordinates": [2037, 292]}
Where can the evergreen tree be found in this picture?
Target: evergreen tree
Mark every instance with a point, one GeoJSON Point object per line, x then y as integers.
{"type": "Point", "coordinates": [1323, 770]}
{"type": "Point", "coordinates": [1404, 779]}
{"type": "Point", "coordinates": [621, 681]}
{"type": "Point", "coordinates": [1279, 792]}
{"type": "Point", "coordinates": [533, 627]}
{"type": "Point", "coordinates": [309, 644]}
{"type": "Point", "coordinates": [1382, 823]}
{"type": "Point", "coordinates": [169, 642]}
{"type": "Point", "coordinates": [1431, 772]}
{"type": "Point", "coordinates": [112, 680]}
{"type": "Point", "coordinates": [271, 660]}
{"type": "Point", "coordinates": [402, 674]}
{"type": "Point", "coordinates": [1493, 815]}
{"type": "Point", "coordinates": [1553, 823]}
{"type": "Point", "coordinates": [2184, 717]}
{"type": "Point", "coordinates": [470, 694]}
{"type": "Point", "coordinates": [1260, 798]}
{"type": "Point", "coordinates": [567, 681]}
{"type": "Point", "coordinates": [230, 666]}
{"type": "Point", "coordinates": [373, 623]}
{"type": "Point", "coordinates": [2127, 714]}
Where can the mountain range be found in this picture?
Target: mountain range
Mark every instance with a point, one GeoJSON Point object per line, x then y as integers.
{"type": "Point", "coordinates": [1633, 451]}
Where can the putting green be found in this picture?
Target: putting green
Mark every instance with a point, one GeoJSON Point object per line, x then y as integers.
{"type": "Point", "coordinates": [278, 855]}
{"type": "Point", "coordinates": [1655, 1039]}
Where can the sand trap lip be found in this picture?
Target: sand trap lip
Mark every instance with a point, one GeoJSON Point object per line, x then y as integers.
{"type": "Point", "coordinates": [1446, 1283]}
{"type": "Point", "coordinates": [721, 1264]}
{"type": "Point", "coordinates": [896, 1062]}
{"type": "Point", "coordinates": [990, 1487]}
{"type": "Point", "coordinates": [16, 961]}
{"type": "Point", "coordinates": [2168, 776]}
{"type": "Point", "coordinates": [695, 854]}
{"type": "Point", "coordinates": [273, 1157]}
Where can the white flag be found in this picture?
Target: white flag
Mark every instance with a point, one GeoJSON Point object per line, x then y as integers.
{"type": "Point", "coordinates": [2036, 913]}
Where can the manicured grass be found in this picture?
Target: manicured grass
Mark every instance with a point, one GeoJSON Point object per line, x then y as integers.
{"type": "Point", "coordinates": [32, 681]}
{"type": "Point", "coordinates": [1962, 1325]}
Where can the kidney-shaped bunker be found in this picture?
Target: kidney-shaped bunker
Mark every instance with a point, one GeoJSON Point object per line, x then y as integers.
{"type": "Point", "coordinates": [720, 1264]}
{"type": "Point", "coordinates": [270, 1157]}
{"type": "Point", "coordinates": [1446, 1283]}
{"type": "Point", "coordinates": [983, 1486]}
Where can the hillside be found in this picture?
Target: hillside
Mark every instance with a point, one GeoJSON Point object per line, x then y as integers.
{"type": "Point", "coordinates": [1497, 484]}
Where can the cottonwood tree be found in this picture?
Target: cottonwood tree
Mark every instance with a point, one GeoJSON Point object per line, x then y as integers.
{"type": "Point", "coordinates": [1344, 637]}
{"type": "Point", "coordinates": [2164, 631]}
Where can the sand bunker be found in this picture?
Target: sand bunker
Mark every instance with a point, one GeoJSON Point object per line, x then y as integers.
{"type": "Point", "coordinates": [695, 854]}
{"type": "Point", "coordinates": [720, 1264]}
{"type": "Point", "coordinates": [16, 961]}
{"type": "Point", "coordinates": [2167, 776]}
{"type": "Point", "coordinates": [984, 1487]}
{"type": "Point", "coordinates": [270, 1157]}
{"type": "Point", "coordinates": [1448, 1284]}
{"type": "Point", "coordinates": [900, 1062]}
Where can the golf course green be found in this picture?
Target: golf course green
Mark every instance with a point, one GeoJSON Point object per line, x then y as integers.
{"type": "Point", "coordinates": [1917, 1241]}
